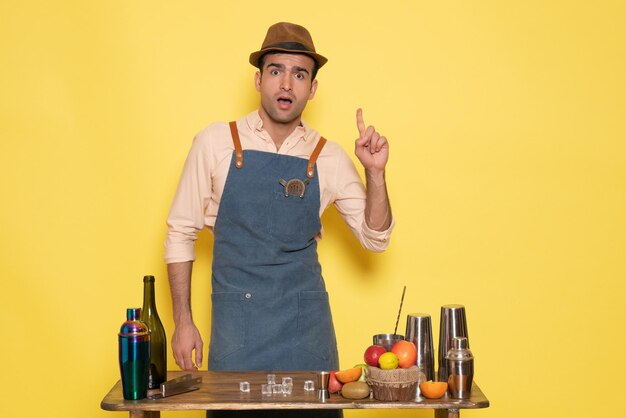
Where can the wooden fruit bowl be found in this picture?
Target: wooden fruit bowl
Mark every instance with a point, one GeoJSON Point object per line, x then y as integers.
{"type": "Point", "coordinates": [395, 384]}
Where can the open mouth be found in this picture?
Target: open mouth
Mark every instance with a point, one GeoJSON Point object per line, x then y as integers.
{"type": "Point", "coordinates": [284, 101]}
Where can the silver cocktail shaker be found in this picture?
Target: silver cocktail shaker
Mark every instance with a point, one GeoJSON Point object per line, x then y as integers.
{"type": "Point", "coordinates": [419, 332]}
{"type": "Point", "coordinates": [460, 362]}
{"type": "Point", "coordinates": [453, 324]}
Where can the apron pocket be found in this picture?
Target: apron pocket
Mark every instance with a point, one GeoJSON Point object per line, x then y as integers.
{"type": "Point", "coordinates": [294, 218]}
{"type": "Point", "coordinates": [227, 324]}
{"type": "Point", "coordinates": [315, 324]}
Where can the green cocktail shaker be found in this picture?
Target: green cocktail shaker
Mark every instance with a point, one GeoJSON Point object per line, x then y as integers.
{"type": "Point", "coordinates": [134, 355]}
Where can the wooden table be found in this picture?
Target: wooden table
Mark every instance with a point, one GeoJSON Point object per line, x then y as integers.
{"type": "Point", "coordinates": [220, 390]}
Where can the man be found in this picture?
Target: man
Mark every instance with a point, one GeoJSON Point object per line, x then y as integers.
{"type": "Point", "coordinates": [261, 184]}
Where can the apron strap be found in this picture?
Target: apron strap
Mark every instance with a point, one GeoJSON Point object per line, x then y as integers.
{"type": "Point", "coordinates": [237, 142]}
{"type": "Point", "coordinates": [310, 168]}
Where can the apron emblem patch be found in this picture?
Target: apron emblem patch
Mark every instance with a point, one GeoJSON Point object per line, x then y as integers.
{"type": "Point", "coordinates": [294, 187]}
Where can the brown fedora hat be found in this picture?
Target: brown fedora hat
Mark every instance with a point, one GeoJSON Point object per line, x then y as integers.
{"type": "Point", "coordinates": [288, 37]}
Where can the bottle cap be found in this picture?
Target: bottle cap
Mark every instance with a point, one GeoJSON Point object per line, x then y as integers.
{"type": "Point", "coordinates": [133, 314]}
{"type": "Point", "coordinates": [149, 278]}
{"type": "Point", "coordinates": [460, 343]}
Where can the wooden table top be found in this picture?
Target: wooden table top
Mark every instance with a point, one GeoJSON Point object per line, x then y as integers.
{"type": "Point", "coordinates": [220, 390]}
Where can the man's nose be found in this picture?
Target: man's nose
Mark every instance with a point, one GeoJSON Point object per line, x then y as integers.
{"type": "Point", "coordinates": [285, 82]}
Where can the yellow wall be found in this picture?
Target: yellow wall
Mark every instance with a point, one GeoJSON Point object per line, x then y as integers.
{"type": "Point", "coordinates": [507, 178]}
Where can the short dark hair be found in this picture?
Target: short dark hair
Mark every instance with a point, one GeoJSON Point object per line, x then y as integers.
{"type": "Point", "coordinates": [262, 62]}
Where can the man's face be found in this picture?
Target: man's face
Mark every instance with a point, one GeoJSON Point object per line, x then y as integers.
{"type": "Point", "coordinates": [286, 86]}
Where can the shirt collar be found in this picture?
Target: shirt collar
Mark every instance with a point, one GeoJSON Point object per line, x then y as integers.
{"type": "Point", "coordinates": [255, 123]}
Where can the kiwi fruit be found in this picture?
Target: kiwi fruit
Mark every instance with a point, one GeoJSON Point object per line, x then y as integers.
{"type": "Point", "coordinates": [355, 390]}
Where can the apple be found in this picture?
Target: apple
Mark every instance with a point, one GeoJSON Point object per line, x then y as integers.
{"type": "Point", "coordinates": [373, 353]}
{"type": "Point", "coordinates": [334, 385]}
{"type": "Point", "coordinates": [406, 352]}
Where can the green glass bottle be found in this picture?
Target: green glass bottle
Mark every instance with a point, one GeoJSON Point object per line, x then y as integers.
{"type": "Point", "coordinates": [158, 341]}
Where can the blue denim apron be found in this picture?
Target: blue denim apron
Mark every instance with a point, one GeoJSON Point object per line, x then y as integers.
{"type": "Point", "coordinates": [270, 307]}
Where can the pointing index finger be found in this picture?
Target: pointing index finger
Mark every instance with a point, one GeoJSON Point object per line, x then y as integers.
{"type": "Point", "coordinates": [359, 121]}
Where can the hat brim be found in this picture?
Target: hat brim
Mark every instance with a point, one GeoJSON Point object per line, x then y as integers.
{"type": "Point", "coordinates": [255, 56]}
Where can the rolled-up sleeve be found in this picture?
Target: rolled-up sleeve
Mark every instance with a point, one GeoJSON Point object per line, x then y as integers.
{"type": "Point", "coordinates": [191, 200]}
{"type": "Point", "coordinates": [350, 201]}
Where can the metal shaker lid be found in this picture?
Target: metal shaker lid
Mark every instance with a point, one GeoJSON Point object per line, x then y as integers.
{"type": "Point", "coordinates": [133, 327]}
{"type": "Point", "coordinates": [459, 350]}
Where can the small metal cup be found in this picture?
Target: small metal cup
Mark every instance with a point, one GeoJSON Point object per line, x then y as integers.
{"type": "Point", "coordinates": [387, 340]}
{"type": "Point", "coordinates": [323, 379]}
{"type": "Point", "coordinates": [453, 324]}
{"type": "Point", "coordinates": [419, 332]}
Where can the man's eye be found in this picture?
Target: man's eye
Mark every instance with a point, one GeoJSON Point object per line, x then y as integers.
{"type": "Point", "coordinates": [299, 76]}
{"type": "Point", "coordinates": [274, 72]}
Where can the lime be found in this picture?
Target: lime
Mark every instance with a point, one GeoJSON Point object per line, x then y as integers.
{"type": "Point", "coordinates": [363, 368]}
{"type": "Point", "coordinates": [388, 361]}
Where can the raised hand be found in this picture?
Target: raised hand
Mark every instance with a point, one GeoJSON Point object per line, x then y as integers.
{"type": "Point", "coordinates": [371, 148]}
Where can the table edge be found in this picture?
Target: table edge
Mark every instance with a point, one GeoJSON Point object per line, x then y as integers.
{"type": "Point", "coordinates": [112, 403]}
